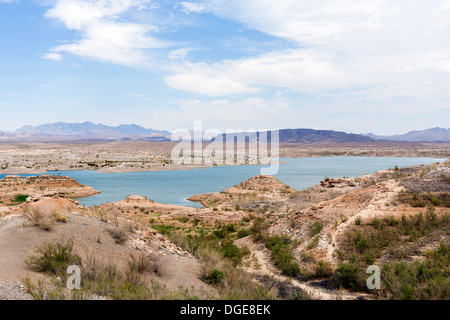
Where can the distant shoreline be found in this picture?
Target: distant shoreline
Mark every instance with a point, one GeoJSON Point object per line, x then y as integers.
{"type": "Point", "coordinates": [18, 171]}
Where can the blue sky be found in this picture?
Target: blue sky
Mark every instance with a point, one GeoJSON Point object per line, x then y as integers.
{"type": "Point", "coordinates": [356, 66]}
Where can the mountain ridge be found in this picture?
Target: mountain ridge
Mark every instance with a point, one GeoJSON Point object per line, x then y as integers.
{"type": "Point", "coordinates": [436, 134]}
{"type": "Point", "coordinates": [87, 130]}
{"type": "Point", "coordinates": [62, 131]}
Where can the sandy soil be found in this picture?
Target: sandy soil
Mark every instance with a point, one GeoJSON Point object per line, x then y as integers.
{"type": "Point", "coordinates": [18, 239]}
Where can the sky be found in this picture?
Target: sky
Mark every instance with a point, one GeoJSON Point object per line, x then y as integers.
{"type": "Point", "coordinates": [356, 66]}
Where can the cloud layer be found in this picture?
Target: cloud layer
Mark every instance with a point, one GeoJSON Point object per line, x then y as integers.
{"type": "Point", "coordinates": [335, 45]}
{"type": "Point", "coordinates": [348, 62]}
{"type": "Point", "coordinates": [104, 35]}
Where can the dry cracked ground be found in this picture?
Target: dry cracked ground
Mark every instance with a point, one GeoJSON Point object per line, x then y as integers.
{"type": "Point", "coordinates": [260, 239]}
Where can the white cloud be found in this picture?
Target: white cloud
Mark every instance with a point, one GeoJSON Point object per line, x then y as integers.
{"type": "Point", "coordinates": [189, 7]}
{"type": "Point", "coordinates": [104, 34]}
{"type": "Point", "coordinates": [301, 70]}
{"type": "Point", "coordinates": [401, 46]}
{"type": "Point", "coordinates": [179, 53]}
{"type": "Point", "coordinates": [52, 56]}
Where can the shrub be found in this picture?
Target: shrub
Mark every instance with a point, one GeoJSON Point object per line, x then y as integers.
{"type": "Point", "coordinates": [347, 275]}
{"type": "Point", "coordinates": [215, 276]}
{"type": "Point", "coordinates": [419, 280]}
{"type": "Point", "coordinates": [243, 233]}
{"type": "Point", "coordinates": [289, 268]}
{"type": "Point", "coordinates": [323, 270]}
{"type": "Point", "coordinates": [54, 258]}
{"type": "Point", "coordinates": [59, 217]}
{"type": "Point", "coordinates": [315, 228]}
{"type": "Point", "coordinates": [232, 252]}
{"type": "Point", "coordinates": [143, 262]}
{"type": "Point", "coordinates": [20, 198]}
{"type": "Point", "coordinates": [282, 255]}
{"type": "Point", "coordinates": [164, 229]}
{"type": "Point", "coordinates": [183, 219]}
{"type": "Point", "coordinates": [119, 234]}
{"type": "Point", "coordinates": [258, 229]}
{"type": "Point", "coordinates": [230, 228]}
{"type": "Point", "coordinates": [38, 218]}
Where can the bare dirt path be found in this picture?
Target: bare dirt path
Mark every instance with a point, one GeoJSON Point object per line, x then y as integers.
{"type": "Point", "coordinates": [376, 208]}
{"type": "Point", "coordinates": [262, 265]}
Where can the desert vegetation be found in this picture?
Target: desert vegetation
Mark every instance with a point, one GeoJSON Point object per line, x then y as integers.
{"type": "Point", "coordinates": [100, 280]}
{"type": "Point", "coordinates": [257, 240]}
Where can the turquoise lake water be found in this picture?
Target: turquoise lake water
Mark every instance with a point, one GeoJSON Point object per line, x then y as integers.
{"type": "Point", "coordinates": [174, 187]}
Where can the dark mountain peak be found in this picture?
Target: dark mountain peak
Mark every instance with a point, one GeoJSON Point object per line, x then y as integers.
{"type": "Point", "coordinates": [313, 136]}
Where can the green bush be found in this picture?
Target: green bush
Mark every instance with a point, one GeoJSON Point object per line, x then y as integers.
{"type": "Point", "coordinates": [282, 255]}
{"type": "Point", "coordinates": [315, 228]}
{"type": "Point", "coordinates": [258, 229]}
{"type": "Point", "coordinates": [215, 276]}
{"type": "Point", "coordinates": [20, 198]}
{"type": "Point", "coordinates": [183, 219]}
{"type": "Point", "coordinates": [54, 258]}
{"type": "Point", "coordinates": [323, 270]}
{"type": "Point", "coordinates": [291, 269]}
{"type": "Point", "coordinates": [164, 229]}
{"type": "Point", "coordinates": [232, 252]}
{"type": "Point", "coordinates": [419, 280]}
{"type": "Point", "coordinates": [230, 228]}
{"type": "Point", "coordinates": [243, 233]}
{"type": "Point", "coordinates": [348, 276]}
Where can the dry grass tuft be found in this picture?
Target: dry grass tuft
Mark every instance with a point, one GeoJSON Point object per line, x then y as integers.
{"type": "Point", "coordinates": [38, 218]}
{"type": "Point", "coordinates": [119, 234]}
{"type": "Point", "coordinates": [144, 262]}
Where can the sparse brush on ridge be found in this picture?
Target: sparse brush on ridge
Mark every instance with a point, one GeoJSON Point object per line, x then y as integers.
{"type": "Point", "coordinates": [144, 262]}
{"type": "Point", "coordinates": [38, 218]}
{"type": "Point", "coordinates": [215, 276]}
{"type": "Point", "coordinates": [59, 217]}
{"type": "Point", "coordinates": [315, 228]}
{"type": "Point", "coordinates": [281, 253]}
{"type": "Point", "coordinates": [119, 234]}
{"type": "Point", "coordinates": [54, 258]}
{"type": "Point", "coordinates": [390, 242]}
{"type": "Point", "coordinates": [99, 280]}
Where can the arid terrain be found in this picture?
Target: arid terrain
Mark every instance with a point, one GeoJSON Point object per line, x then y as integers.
{"type": "Point", "coordinates": [260, 239]}
{"type": "Point", "coordinates": [129, 156]}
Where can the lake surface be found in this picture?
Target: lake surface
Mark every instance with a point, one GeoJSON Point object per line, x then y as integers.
{"type": "Point", "coordinates": [174, 187]}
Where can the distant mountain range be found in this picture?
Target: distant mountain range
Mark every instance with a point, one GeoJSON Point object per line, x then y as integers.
{"type": "Point", "coordinates": [62, 131]}
{"type": "Point", "coordinates": [84, 131]}
{"type": "Point", "coordinates": [309, 136]}
{"type": "Point", "coordinates": [429, 135]}
{"type": "Point", "coordinates": [312, 136]}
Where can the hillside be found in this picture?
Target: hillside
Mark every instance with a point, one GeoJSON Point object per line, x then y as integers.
{"type": "Point", "coordinates": [429, 135]}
